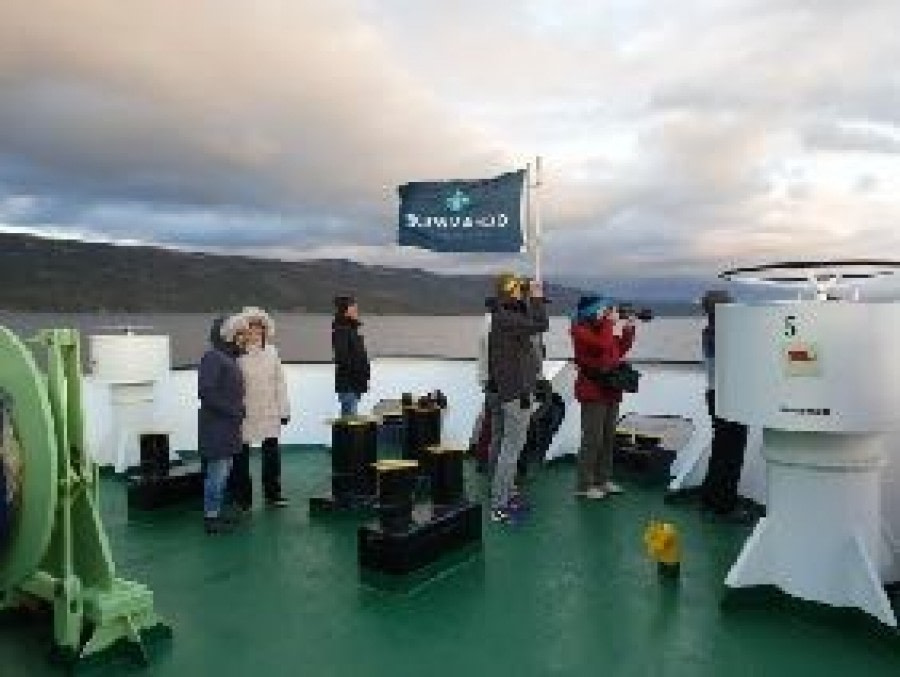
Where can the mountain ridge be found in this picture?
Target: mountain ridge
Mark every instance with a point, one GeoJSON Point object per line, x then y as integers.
{"type": "Point", "coordinates": [39, 274]}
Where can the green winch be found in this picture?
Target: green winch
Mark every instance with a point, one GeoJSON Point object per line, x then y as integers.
{"type": "Point", "coordinates": [53, 546]}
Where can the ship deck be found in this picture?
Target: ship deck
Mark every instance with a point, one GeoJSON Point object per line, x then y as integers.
{"type": "Point", "coordinates": [569, 592]}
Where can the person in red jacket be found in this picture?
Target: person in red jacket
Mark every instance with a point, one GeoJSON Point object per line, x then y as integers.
{"type": "Point", "coordinates": [597, 348]}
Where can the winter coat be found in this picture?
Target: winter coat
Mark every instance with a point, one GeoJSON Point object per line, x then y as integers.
{"type": "Point", "coordinates": [221, 390]}
{"type": "Point", "coordinates": [265, 394]}
{"type": "Point", "coordinates": [513, 362]}
{"type": "Point", "coordinates": [351, 362]}
{"type": "Point", "coordinates": [482, 367]}
{"type": "Point", "coordinates": [596, 347]}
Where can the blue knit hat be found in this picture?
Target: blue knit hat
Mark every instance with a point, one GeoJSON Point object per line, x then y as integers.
{"type": "Point", "coordinates": [590, 306]}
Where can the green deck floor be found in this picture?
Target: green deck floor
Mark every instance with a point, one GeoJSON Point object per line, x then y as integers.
{"type": "Point", "coordinates": [568, 593]}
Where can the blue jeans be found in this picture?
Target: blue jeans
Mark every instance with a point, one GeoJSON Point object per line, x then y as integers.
{"type": "Point", "coordinates": [214, 485]}
{"type": "Point", "coordinates": [349, 403]}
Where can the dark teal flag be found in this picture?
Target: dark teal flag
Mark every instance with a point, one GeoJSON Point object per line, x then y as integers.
{"type": "Point", "coordinates": [463, 216]}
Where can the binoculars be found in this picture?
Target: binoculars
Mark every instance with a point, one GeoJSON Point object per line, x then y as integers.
{"type": "Point", "coordinates": [627, 311]}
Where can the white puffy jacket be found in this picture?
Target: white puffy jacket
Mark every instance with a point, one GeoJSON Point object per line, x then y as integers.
{"type": "Point", "coordinates": [265, 394]}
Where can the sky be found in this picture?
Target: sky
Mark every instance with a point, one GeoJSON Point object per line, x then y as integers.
{"type": "Point", "coordinates": [678, 139]}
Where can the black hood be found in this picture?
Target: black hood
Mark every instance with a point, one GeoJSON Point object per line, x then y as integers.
{"type": "Point", "coordinates": [215, 333]}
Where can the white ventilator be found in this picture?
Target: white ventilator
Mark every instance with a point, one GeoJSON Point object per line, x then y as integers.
{"type": "Point", "coordinates": [128, 374]}
{"type": "Point", "coordinates": [822, 380]}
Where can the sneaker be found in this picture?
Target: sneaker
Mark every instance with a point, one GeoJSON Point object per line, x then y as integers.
{"type": "Point", "coordinates": [595, 493]}
{"type": "Point", "coordinates": [277, 502]}
{"type": "Point", "coordinates": [612, 488]}
{"type": "Point", "coordinates": [500, 515]}
{"type": "Point", "coordinates": [506, 516]}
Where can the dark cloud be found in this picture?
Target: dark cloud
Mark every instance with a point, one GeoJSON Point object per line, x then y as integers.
{"type": "Point", "coordinates": [297, 111]}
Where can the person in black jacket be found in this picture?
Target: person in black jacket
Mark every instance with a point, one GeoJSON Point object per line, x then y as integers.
{"type": "Point", "coordinates": [719, 490]}
{"type": "Point", "coordinates": [351, 362]}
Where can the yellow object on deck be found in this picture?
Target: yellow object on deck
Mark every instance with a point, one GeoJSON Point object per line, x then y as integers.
{"type": "Point", "coordinates": [663, 542]}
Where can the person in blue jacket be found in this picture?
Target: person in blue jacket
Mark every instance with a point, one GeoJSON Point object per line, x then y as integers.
{"type": "Point", "coordinates": [221, 389]}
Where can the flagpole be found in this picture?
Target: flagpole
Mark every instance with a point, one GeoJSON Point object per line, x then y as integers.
{"type": "Point", "coordinates": [534, 203]}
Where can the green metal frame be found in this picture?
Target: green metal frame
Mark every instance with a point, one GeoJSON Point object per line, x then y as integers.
{"type": "Point", "coordinates": [59, 551]}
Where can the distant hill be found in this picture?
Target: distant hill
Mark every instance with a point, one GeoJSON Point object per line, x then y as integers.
{"type": "Point", "coordinates": [38, 274]}
{"type": "Point", "coordinates": [43, 275]}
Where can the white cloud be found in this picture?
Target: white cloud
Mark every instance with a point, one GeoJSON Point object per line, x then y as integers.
{"type": "Point", "coordinates": [674, 141]}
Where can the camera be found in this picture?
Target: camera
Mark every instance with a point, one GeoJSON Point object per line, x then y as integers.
{"type": "Point", "coordinates": [628, 311]}
{"type": "Point", "coordinates": [435, 400]}
{"type": "Point", "coordinates": [525, 288]}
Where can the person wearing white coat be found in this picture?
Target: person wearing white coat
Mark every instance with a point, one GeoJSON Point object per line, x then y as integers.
{"type": "Point", "coordinates": [268, 409]}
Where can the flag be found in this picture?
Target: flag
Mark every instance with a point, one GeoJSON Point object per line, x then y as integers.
{"type": "Point", "coordinates": [484, 215]}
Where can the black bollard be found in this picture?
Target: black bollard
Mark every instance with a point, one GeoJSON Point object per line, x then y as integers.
{"type": "Point", "coordinates": [421, 429]}
{"type": "Point", "coordinates": [159, 483]}
{"type": "Point", "coordinates": [354, 450]}
{"type": "Point", "coordinates": [445, 472]}
{"type": "Point", "coordinates": [396, 484]}
{"type": "Point", "coordinates": [154, 448]}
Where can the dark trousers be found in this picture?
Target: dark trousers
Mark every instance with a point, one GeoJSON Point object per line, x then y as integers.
{"type": "Point", "coordinates": [240, 484]}
{"type": "Point", "coordinates": [719, 491]}
{"type": "Point", "coordinates": [598, 437]}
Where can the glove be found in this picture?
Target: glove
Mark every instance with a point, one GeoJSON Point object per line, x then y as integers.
{"type": "Point", "coordinates": [285, 420]}
{"type": "Point", "coordinates": [525, 402]}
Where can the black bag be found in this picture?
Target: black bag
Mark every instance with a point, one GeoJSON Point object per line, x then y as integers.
{"type": "Point", "coordinates": [542, 428]}
{"type": "Point", "coordinates": [623, 377]}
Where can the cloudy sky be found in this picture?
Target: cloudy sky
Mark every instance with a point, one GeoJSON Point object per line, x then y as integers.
{"type": "Point", "coordinates": [678, 138]}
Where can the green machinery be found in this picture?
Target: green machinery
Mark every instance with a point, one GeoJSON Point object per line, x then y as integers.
{"type": "Point", "coordinates": [55, 548]}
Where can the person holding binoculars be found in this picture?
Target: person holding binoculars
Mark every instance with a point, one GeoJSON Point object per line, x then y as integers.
{"type": "Point", "coordinates": [598, 352]}
{"type": "Point", "coordinates": [514, 364]}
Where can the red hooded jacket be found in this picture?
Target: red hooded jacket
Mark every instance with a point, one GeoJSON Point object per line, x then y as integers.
{"type": "Point", "coordinates": [597, 347]}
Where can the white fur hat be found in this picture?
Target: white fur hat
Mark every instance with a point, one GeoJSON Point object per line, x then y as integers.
{"type": "Point", "coordinates": [254, 314]}
{"type": "Point", "coordinates": [232, 325]}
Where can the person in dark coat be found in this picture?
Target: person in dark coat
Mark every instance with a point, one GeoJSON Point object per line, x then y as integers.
{"type": "Point", "coordinates": [221, 389]}
{"type": "Point", "coordinates": [351, 362]}
{"type": "Point", "coordinates": [719, 491]}
{"type": "Point", "coordinates": [597, 348]}
{"type": "Point", "coordinates": [513, 367]}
